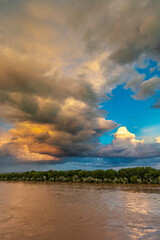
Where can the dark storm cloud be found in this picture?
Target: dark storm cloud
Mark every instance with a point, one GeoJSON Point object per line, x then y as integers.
{"type": "Point", "coordinates": [67, 106]}
{"type": "Point", "coordinates": [128, 30]}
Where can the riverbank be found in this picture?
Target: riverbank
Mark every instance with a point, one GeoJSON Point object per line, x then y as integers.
{"type": "Point", "coordinates": [137, 175]}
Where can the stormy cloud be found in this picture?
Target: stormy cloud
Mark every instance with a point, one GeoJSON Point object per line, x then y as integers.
{"type": "Point", "coordinates": [58, 60]}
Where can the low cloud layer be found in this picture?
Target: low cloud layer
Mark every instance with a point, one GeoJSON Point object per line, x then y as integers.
{"type": "Point", "coordinates": [58, 61]}
{"type": "Point", "coordinates": [126, 145]}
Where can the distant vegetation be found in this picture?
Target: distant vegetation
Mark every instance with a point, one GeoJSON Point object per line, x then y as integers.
{"type": "Point", "coordinates": [137, 175]}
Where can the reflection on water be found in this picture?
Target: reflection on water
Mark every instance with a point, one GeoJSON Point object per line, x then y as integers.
{"type": "Point", "coordinates": [47, 211]}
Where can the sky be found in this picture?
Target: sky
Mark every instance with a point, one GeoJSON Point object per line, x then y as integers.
{"type": "Point", "coordinates": [79, 84]}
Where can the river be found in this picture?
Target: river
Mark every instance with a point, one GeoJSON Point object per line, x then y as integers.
{"type": "Point", "coordinates": [73, 211]}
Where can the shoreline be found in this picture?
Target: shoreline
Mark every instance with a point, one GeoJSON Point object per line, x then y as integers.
{"type": "Point", "coordinates": [81, 183]}
{"type": "Point", "coordinates": [136, 175]}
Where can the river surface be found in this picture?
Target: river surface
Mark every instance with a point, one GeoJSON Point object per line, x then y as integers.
{"type": "Point", "coordinates": [72, 211]}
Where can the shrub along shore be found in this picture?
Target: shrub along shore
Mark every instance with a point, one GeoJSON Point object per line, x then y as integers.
{"type": "Point", "coordinates": [137, 175]}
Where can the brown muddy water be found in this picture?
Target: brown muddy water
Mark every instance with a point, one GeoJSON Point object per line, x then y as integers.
{"type": "Point", "coordinates": [72, 211]}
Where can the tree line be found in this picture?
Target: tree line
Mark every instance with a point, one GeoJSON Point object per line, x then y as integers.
{"type": "Point", "coordinates": [136, 175]}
